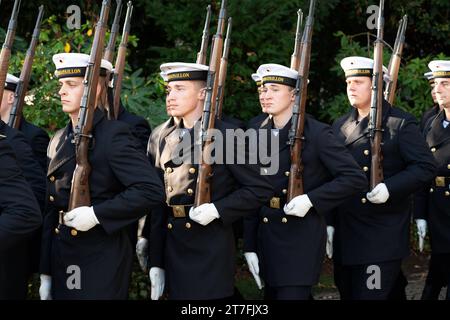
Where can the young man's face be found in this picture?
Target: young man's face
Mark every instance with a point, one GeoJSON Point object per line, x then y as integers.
{"type": "Point", "coordinates": [261, 92]}
{"type": "Point", "coordinates": [182, 97]}
{"type": "Point", "coordinates": [442, 91]}
{"type": "Point", "coordinates": [433, 93]}
{"type": "Point", "coordinates": [359, 91]}
{"type": "Point", "coordinates": [7, 101]}
{"type": "Point", "coordinates": [277, 98]}
{"type": "Point", "coordinates": [71, 91]}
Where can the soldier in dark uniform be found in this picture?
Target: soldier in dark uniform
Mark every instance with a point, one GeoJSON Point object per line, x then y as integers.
{"type": "Point", "coordinates": [287, 240]}
{"type": "Point", "coordinates": [194, 247]}
{"type": "Point", "coordinates": [38, 140]}
{"type": "Point", "coordinates": [123, 186]}
{"type": "Point", "coordinates": [19, 218]}
{"type": "Point", "coordinates": [26, 159]}
{"type": "Point", "coordinates": [418, 216]}
{"type": "Point", "coordinates": [30, 146]}
{"type": "Point", "coordinates": [35, 177]}
{"type": "Point", "coordinates": [36, 137]}
{"type": "Point", "coordinates": [433, 203]}
{"type": "Point", "coordinates": [372, 228]}
{"type": "Point", "coordinates": [31, 169]}
{"type": "Point", "coordinates": [141, 130]}
{"type": "Point", "coordinates": [144, 232]}
{"type": "Point", "coordinates": [399, 292]}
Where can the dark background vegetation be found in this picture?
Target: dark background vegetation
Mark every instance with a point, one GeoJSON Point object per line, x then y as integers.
{"type": "Point", "coordinates": [263, 32]}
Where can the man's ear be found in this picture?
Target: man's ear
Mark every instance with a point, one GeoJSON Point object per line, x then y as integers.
{"type": "Point", "coordinates": [201, 94]}
{"type": "Point", "coordinates": [292, 95]}
{"type": "Point", "coordinates": [10, 97]}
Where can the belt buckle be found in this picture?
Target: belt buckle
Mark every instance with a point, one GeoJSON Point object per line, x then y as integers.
{"type": "Point", "coordinates": [275, 203]}
{"type": "Point", "coordinates": [178, 211]}
{"type": "Point", "coordinates": [440, 181]}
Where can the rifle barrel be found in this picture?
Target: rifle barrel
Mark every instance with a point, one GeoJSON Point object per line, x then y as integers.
{"type": "Point", "coordinates": [201, 55]}
{"type": "Point", "coordinates": [5, 53]}
{"type": "Point", "coordinates": [120, 60]}
{"type": "Point", "coordinates": [15, 116]}
{"type": "Point", "coordinates": [109, 51]}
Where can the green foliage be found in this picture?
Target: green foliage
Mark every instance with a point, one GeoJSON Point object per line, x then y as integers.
{"type": "Point", "coordinates": [43, 103]}
{"type": "Point", "coordinates": [263, 32]}
{"type": "Point", "coordinates": [413, 91]}
{"type": "Point", "coordinates": [254, 23]}
{"type": "Point", "coordinates": [414, 94]}
{"type": "Point", "coordinates": [338, 104]}
{"type": "Point", "coordinates": [145, 97]}
{"type": "Point", "coordinates": [139, 284]}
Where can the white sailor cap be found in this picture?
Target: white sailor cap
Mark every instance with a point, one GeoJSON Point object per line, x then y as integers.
{"type": "Point", "coordinates": [182, 71]}
{"type": "Point", "coordinates": [440, 68]}
{"type": "Point", "coordinates": [429, 76]}
{"type": "Point", "coordinates": [276, 73]}
{"type": "Point", "coordinates": [360, 67]}
{"type": "Point", "coordinates": [75, 64]}
{"type": "Point", "coordinates": [257, 78]}
{"type": "Point", "coordinates": [11, 82]}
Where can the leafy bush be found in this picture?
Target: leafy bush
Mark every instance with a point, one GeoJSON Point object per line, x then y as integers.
{"type": "Point", "coordinates": [140, 95]}
{"type": "Point", "coordinates": [413, 90]}
{"type": "Point", "coordinates": [263, 32]}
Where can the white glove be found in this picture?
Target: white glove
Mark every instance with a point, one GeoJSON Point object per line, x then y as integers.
{"type": "Point", "coordinates": [329, 246]}
{"type": "Point", "coordinates": [157, 280]}
{"type": "Point", "coordinates": [421, 231]}
{"type": "Point", "coordinates": [45, 289]}
{"type": "Point", "coordinates": [142, 253]}
{"type": "Point", "coordinates": [81, 218]}
{"type": "Point", "coordinates": [253, 266]}
{"type": "Point", "coordinates": [204, 213]}
{"type": "Point", "coordinates": [299, 206]}
{"type": "Point", "coordinates": [379, 194]}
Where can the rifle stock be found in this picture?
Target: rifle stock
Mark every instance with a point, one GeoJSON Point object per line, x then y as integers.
{"type": "Point", "coordinates": [15, 116]}
{"type": "Point", "coordinates": [80, 192]}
